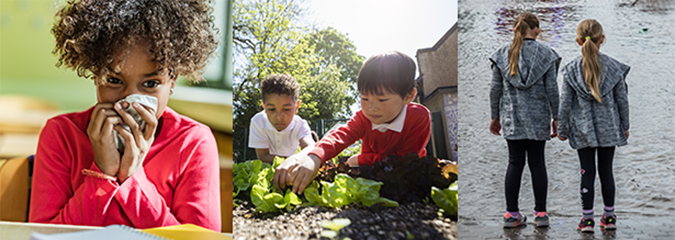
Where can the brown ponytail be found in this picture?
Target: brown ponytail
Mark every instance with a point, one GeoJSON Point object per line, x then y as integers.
{"type": "Point", "coordinates": [525, 20]}
{"type": "Point", "coordinates": [589, 32]}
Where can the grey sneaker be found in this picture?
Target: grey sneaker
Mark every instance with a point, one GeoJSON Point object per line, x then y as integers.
{"type": "Point", "coordinates": [511, 222]}
{"type": "Point", "coordinates": [541, 219]}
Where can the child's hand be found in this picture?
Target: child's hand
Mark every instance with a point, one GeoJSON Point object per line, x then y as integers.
{"type": "Point", "coordinates": [282, 174]}
{"type": "Point", "coordinates": [100, 132]}
{"type": "Point", "coordinates": [555, 128]}
{"type": "Point", "coordinates": [562, 138]}
{"type": "Point", "coordinates": [306, 169]}
{"type": "Point", "coordinates": [495, 127]}
{"type": "Point", "coordinates": [353, 161]}
{"type": "Point", "coordinates": [138, 141]}
{"type": "Point", "coordinates": [627, 134]}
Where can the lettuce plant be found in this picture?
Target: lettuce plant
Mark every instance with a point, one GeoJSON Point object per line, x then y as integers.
{"type": "Point", "coordinates": [255, 179]}
{"type": "Point", "coordinates": [446, 199]}
{"type": "Point", "coordinates": [265, 197]}
{"type": "Point", "coordinates": [345, 190]}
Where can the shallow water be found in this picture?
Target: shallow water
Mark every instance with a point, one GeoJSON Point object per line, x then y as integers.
{"type": "Point", "coordinates": [640, 35]}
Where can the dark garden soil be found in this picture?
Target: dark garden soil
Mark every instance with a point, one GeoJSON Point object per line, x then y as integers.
{"type": "Point", "coordinates": [407, 221]}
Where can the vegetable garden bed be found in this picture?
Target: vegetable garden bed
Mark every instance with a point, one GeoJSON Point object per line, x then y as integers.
{"type": "Point", "coordinates": [389, 200]}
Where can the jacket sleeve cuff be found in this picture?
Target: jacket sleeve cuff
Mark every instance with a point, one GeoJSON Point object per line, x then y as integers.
{"type": "Point", "coordinates": [319, 152]}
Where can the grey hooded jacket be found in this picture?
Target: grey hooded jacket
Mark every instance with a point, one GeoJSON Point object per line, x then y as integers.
{"type": "Point", "coordinates": [587, 122]}
{"type": "Point", "coordinates": [525, 103]}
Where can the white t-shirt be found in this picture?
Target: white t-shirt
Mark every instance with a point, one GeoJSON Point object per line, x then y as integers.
{"type": "Point", "coordinates": [262, 134]}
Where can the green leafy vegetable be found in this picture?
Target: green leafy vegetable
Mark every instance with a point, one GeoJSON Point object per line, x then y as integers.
{"type": "Point", "coordinates": [346, 190]}
{"type": "Point", "coordinates": [254, 178]}
{"type": "Point", "coordinates": [334, 225]}
{"type": "Point", "coordinates": [446, 199]}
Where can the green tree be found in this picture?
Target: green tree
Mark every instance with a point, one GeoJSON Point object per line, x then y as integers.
{"type": "Point", "coordinates": [336, 48]}
{"type": "Point", "coordinates": [268, 40]}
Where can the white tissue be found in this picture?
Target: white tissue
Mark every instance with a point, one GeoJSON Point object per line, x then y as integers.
{"type": "Point", "coordinates": [149, 101]}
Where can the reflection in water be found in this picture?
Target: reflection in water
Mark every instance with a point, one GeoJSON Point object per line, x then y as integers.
{"type": "Point", "coordinates": [504, 20]}
{"type": "Point", "coordinates": [643, 170]}
{"type": "Point", "coordinates": [663, 7]}
{"type": "Point", "coordinates": [552, 19]}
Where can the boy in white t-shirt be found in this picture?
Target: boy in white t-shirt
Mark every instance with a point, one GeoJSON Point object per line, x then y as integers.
{"type": "Point", "coordinates": [277, 131]}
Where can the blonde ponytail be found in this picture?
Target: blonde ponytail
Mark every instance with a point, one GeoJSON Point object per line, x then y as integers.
{"type": "Point", "coordinates": [525, 20]}
{"type": "Point", "coordinates": [590, 32]}
{"type": "Point", "coordinates": [514, 51]}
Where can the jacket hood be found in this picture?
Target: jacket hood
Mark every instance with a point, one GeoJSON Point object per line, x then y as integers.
{"type": "Point", "coordinates": [612, 72]}
{"type": "Point", "coordinates": [534, 61]}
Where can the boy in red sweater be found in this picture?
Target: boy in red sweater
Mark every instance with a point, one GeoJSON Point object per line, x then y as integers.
{"type": "Point", "coordinates": [388, 122]}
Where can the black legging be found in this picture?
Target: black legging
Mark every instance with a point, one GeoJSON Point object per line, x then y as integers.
{"type": "Point", "coordinates": [587, 160]}
{"type": "Point", "coordinates": [535, 160]}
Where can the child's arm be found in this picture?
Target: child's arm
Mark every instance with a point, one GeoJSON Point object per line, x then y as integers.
{"type": "Point", "coordinates": [307, 142]}
{"type": "Point", "coordinates": [195, 198]}
{"type": "Point", "coordinates": [300, 172]}
{"type": "Point", "coordinates": [566, 98]}
{"type": "Point", "coordinates": [282, 172]}
{"type": "Point", "coordinates": [304, 171]}
{"type": "Point", "coordinates": [264, 155]}
{"type": "Point", "coordinates": [337, 140]}
{"type": "Point", "coordinates": [621, 98]}
{"type": "Point", "coordinates": [496, 88]}
{"type": "Point", "coordinates": [552, 95]}
{"type": "Point", "coordinates": [140, 199]}
{"type": "Point", "coordinates": [552, 90]}
{"type": "Point", "coordinates": [53, 199]}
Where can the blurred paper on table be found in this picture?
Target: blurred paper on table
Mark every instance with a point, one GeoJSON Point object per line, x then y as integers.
{"type": "Point", "coordinates": [113, 232]}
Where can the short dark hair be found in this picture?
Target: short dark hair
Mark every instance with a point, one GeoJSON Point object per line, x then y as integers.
{"type": "Point", "coordinates": [392, 71]}
{"type": "Point", "coordinates": [280, 84]}
{"type": "Point", "coordinates": [90, 33]}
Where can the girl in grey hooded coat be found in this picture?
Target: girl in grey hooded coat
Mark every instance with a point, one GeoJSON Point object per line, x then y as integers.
{"type": "Point", "coordinates": [524, 100]}
{"type": "Point", "coordinates": [594, 117]}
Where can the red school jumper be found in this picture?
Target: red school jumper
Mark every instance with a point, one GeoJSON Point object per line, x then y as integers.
{"type": "Point", "coordinates": [377, 145]}
{"type": "Point", "coordinates": [178, 183]}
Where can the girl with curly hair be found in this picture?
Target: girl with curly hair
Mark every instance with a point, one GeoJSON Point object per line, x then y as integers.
{"type": "Point", "coordinates": [121, 162]}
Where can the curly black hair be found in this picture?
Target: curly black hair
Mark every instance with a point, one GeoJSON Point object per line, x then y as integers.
{"type": "Point", "coordinates": [280, 84]}
{"type": "Point", "coordinates": [89, 33]}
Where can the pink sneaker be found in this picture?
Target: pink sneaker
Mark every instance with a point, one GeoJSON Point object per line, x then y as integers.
{"type": "Point", "coordinates": [541, 219]}
{"type": "Point", "coordinates": [510, 221]}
